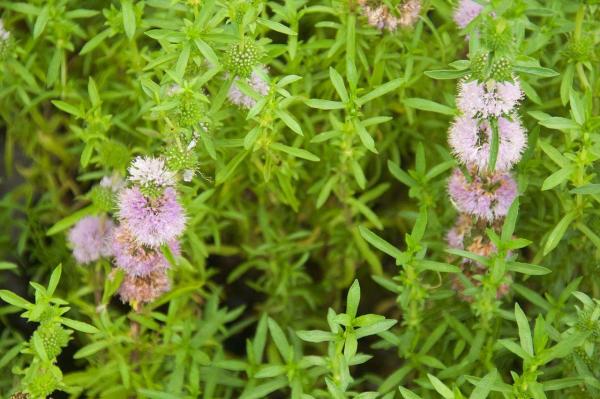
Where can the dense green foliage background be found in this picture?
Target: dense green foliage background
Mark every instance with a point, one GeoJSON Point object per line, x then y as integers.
{"type": "Point", "coordinates": [339, 173]}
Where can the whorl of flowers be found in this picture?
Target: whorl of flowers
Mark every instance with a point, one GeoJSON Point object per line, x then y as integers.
{"type": "Point", "coordinates": [90, 239]}
{"type": "Point", "coordinates": [470, 140]}
{"type": "Point", "coordinates": [256, 82]}
{"type": "Point", "coordinates": [381, 17]}
{"type": "Point", "coordinates": [483, 100]}
{"type": "Point", "coordinates": [135, 259]}
{"type": "Point", "coordinates": [144, 289]}
{"type": "Point", "coordinates": [466, 11]}
{"type": "Point", "coordinates": [487, 196]}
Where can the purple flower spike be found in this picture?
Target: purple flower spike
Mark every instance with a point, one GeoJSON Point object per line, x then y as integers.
{"type": "Point", "coordinates": [153, 221]}
{"type": "Point", "coordinates": [470, 141]}
{"type": "Point", "coordinates": [136, 259]}
{"type": "Point", "coordinates": [487, 197]}
{"type": "Point", "coordinates": [90, 239]}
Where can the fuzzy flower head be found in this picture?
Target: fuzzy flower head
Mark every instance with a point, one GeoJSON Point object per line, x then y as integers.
{"type": "Point", "coordinates": [466, 11]}
{"type": "Point", "coordinates": [90, 239]}
{"type": "Point", "coordinates": [488, 197]}
{"type": "Point", "coordinates": [380, 16]}
{"type": "Point", "coordinates": [150, 173]}
{"type": "Point", "coordinates": [483, 100]}
{"type": "Point", "coordinates": [256, 81]}
{"type": "Point", "coordinates": [144, 289]}
{"type": "Point", "coordinates": [470, 141]}
{"type": "Point", "coordinates": [4, 34]}
{"type": "Point", "coordinates": [153, 221]}
{"type": "Point", "coordinates": [136, 259]}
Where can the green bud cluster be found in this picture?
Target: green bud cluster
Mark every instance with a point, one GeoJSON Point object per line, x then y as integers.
{"type": "Point", "coordinates": [581, 50]}
{"type": "Point", "coordinates": [42, 379]}
{"type": "Point", "coordinates": [502, 69]}
{"type": "Point", "coordinates": [102, 198]}
{"type": "Point", "coordinates": [189, 112]}
{"type": "Point", "coordinates": [479, 65]}
{"type": "Point", "coordinates": [241, 59]}
{"type": "Point", "coordinates": [53, 336]}
{"type": "Point", "coordinates": [179, 158]}
{"type": "Point", "coordinates": [498, 36]}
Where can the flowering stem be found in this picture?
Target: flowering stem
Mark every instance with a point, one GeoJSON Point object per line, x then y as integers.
{"type": "Point", "coordinates": [494, 144]}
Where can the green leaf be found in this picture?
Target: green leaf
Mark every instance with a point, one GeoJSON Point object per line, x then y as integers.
{"type": "Point", "coordinates": [587, 189]}
{"type": "Point", "coordinates": [338, 83]}
{"type": "Point", "coordinates": [70, 220]}
{"type": "Point", "coordinates": [558, 232]}
{"type": "Point", "coordinates": [524, 330]}
{"type": "Point", "coordinates": [279, 338]}
{"type": "Point", "coordinates": [536, 71]}
{"type": "Point", "coordinates": [324, 104]}
{"type": "Point", "coordinates": [380, 243]}
{"type": "Point", "coordinates": [289, 121]}
{"type": "Point", "coordinates": [428, 105]}
{"type": "Point", "coordinates": [224, 174]}
{"type": "Point", "coordinates": [406, 394]}
{"type": "Point", "coordinates": [484, 386]}
{"type": "Point", "coordinates": [527, 268]}
{"type": "Point", "coordinates": [556, 178]}
{"type": "Point", "coordinates": [95, 41]}
{"type": "Point", "coordinates": [353, 299]}
{"type": "Point", "coordinates": [79, 325]}
{"type": "Point", "coordinates": [364, 136]}
{"type": "Point", "coordinates": [68, 108]}
{"type": "Point", "coordinates": [375, 328]}
{"type": "Point", "coordinates": [437, 266]}
{"type": "Point", "coordinates": [8, 266]}
{"type": "Point", "coordinates": [443, 74]}
{"type": "Point", "coordinates": [15, 300]}
{"type": "Point", "coordinates": [41, 22]}
{"type": "Point", "coordinates": [207, 51]}
{"type": "Point", "coordinates": [128, 17]}
{"type": "Point", "coordinates": [38, 346]}
{"type": "Point", "coordinates": [559, 123]}
{"type": "Point", "coordinates": [91, 349]}
{"type": "Point", "coordinates": [381, 90]}
{"type": "Point", "coordinates": [276, 26]}
{"type": "Point", "coordinates": [54, 279]}
{"type": "Point", "coordinates": [315, 335]}
{"type": "Point", "coordinates": [295, 152]}
{"type": "Point", "coordinates": [440, 387]}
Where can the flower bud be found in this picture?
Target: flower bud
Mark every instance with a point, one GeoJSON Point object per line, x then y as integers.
{"type": "Point", "coordinates": [241, 59]}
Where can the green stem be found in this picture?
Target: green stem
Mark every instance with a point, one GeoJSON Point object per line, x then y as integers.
{"type": "Point", "coordinates": [494, 144]}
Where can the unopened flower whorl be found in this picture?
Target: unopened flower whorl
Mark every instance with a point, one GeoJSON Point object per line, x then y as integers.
{"type": "Point", "coordinates": [136, 259]}
{"type": "Point", "coordinates": [256, 82]}
{"type": "Point", "coordinates": [153, 221]}
{"type": "Point", "coordinates": [466, 11]}
{"type": "Point", "coordinates": [488, 196]}
{"type": "Point", "coordinates": [144, 289]}
{"type": "Point", "coordinates": [90, 239]}
{"type": "Point", "coordinates": [470, 141]}
{"type": "Point", "coordinates": [479, 100]}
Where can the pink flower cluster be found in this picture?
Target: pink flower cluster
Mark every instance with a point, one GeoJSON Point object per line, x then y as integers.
{"type": "Point", "coordinates": [466, 11]}
{"type": "Point", "coordinates": [256, 81]}
{"type": "Point", "coordinates": [381, 17]}
{"type": "Point", "coordinates": [147, 225]}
